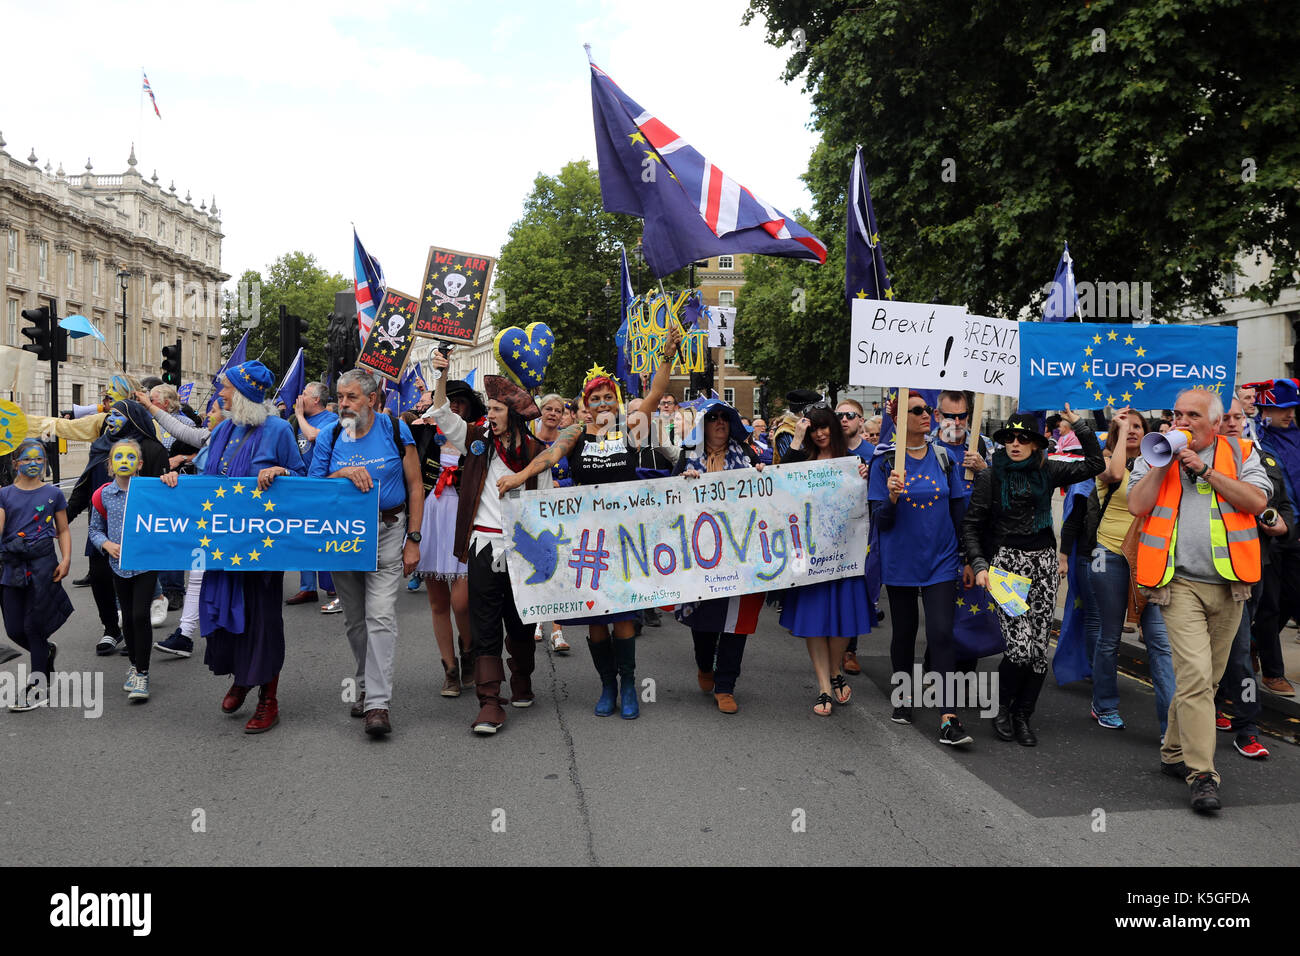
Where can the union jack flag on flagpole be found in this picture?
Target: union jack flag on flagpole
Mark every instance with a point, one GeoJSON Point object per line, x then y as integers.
{"type": "Point", "coordinates": [692, 209]}
{"type": "Point", "coordinates": [149, 89]}
{"type": "Point", "coordinates": [368, 285]}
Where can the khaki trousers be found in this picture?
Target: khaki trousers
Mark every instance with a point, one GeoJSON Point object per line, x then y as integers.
{"type": "Point", "coordinates": [1202, 621]}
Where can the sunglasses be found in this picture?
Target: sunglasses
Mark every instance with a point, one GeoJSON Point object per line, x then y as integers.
{"type": "Point", "coordinates": [920, 410]}
{"type": "Point", "coordinates": [847, 415]}
{"type": "Point", "coordinates": [1020, 440]}
{"type": "Point", "coordinates": [956, 416]}
{"type": "Point", "coordinates": [715, 417]}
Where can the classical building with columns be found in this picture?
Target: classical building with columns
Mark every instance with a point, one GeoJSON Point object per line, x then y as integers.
{"type": "Point", "coordinates": [67, 241]}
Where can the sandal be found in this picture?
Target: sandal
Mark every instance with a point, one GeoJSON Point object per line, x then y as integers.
{"type": "Point", "coordinates": [843, 692]}
{"type": "Point", "coordinates": [823, 700]}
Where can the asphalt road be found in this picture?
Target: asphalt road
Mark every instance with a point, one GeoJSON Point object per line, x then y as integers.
{"type": "Point", "coordinates": [683, 784]}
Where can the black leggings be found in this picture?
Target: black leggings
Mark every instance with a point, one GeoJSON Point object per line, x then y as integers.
{"type": "Point", "coordinates": [728, 649]}
{"type": "Point", "coordinates": [135, 594]}
{"type": "Point", "coordinates": [13, 604]}
{"type": "Point", "coordinates": [101, 586]}
{"type": "Point", "coordinates": [939, 601]}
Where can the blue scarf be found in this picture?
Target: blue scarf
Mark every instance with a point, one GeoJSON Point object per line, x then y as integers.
{"type": "Point", "coordinates": [735, 458]}
{"type": "Point", "coordinates": [221, 597]}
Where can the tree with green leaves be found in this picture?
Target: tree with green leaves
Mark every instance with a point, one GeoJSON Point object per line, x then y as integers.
{"type": "Point", "coordinates": [305, 289]}
{"type": "Point", "coordinates": [1159, 139]}
{"type": "Point", "coordinates": [560, 257]}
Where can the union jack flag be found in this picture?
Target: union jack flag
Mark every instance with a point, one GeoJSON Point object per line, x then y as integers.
{"type": "Point", "coordinates": [691, 208]}
{"type": "Point", "coordinates": [149, 89]}
{"type": "Point", "coordinates": [368, 286]}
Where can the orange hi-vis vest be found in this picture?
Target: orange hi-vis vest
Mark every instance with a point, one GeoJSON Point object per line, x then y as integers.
{"type": "Point", "coordinates": [1234, 537]}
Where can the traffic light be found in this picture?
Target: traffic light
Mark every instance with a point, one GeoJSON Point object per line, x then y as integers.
{"type": "Point", "coordinates": [292, 330]}
{"type": "Point", "coordinates": [39, 332]}
{"type": "Point", "coordinates": [171, 364]}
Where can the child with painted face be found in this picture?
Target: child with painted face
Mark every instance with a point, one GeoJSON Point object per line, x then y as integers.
{"type": "Point", "coordinates": [134, 589]}
{"type": "Point", "coordinates": [34, 604]}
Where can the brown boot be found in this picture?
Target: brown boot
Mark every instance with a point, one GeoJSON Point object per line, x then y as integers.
{"type": "Point", "coordinates": [450, 680]}
{"type": "Point", "coordinates": [488, 675]}
{"type": "Point", "coordinates": [522, 661]}
{"type": "Point", "coordinates": [267, 714]}
{"type": "Point", "coordinates": [466, 668]}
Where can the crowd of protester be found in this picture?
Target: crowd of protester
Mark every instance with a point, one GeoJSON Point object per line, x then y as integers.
{"type": "Point", "coordinates": [1208, 602]}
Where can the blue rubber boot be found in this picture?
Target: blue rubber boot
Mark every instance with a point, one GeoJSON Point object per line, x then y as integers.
{"type": "Point", "coordinates": [625, 655]}
{"type": "Point", "coordinates": [602, 655]}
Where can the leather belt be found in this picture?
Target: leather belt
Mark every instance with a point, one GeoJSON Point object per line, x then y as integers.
{"type": "Point", "coordinates": [392, 514]}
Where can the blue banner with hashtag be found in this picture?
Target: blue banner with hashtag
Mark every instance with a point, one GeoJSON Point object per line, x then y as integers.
{"type": "Point", "coordinates": [323, 524]}
{"type": "Point", "coordinates": [1091, 366]}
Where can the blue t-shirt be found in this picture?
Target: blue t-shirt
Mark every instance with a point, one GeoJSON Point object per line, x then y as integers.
{"type": "Point", "coordinates": [865, 451]}
{"type": "Point", "coordinates": [318, 421]}
{"type": "Point", "coordinates": [920, 548]}
{"type": "Point", "coordinates": [31, 513]}
{"type": "Point", "coordinates": [375, 451]}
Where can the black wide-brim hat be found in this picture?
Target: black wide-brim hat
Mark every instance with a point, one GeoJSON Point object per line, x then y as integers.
{"type": "Point", "coordinates": [801, 398]}
{"type": "Point", "coordinates": [459, 388]}
{"type": "Point", "coordinates": [1020, 424]}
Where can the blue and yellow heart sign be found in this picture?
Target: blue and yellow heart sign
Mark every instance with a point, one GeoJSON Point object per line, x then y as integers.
{"type": "Point", "coordinates": [524, 354]}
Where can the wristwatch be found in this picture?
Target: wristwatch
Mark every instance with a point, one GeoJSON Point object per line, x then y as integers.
{"type": "Point", "coordinates": [413, 536]}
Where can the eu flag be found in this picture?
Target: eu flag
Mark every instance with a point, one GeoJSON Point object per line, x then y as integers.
{"type": "Point", "coordinates": [1063, 300]}
{"type": "Point", "coordinates": [865, 275]}
{"type": "Point", "coordinates": [631, 383]}
{"type": "Point", "coordinates": [294, 381]}
{"type": "Point", "coordinates": [691, 208]}
{"type": "Point", "coordinates": [1072, 662]}
{"type": "Point", "coordinates": [238, 357]}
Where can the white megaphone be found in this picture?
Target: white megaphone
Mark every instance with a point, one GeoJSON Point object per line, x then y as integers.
{"type": "Point", "coordinates": [1159, 450]}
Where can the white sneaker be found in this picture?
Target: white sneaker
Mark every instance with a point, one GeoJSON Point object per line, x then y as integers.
{"type": "Point", "coordinates": [29, 699]}
{"type": "Point", "coordinates": [333, 607]}
{"type": "Point", "coordinates": [158, 611]}
{"type": "Point", "coordinates": [130, 679]}
{"type": "Point", "coordinates": [139, 687]}
{"type": "Point", "coordinates": [537, 633]}
{"type": "Point", "coordinates": [558, 643]}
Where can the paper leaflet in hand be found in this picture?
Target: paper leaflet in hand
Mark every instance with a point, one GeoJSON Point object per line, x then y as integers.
{"type": "Point", "coordinates": [1009, 590]}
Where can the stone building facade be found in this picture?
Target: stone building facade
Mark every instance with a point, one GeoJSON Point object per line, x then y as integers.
{"type": "Point", "coordinates": [66, 239]}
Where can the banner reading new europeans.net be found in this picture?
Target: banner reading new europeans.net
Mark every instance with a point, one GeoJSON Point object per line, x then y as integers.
{"type": "Point", "coordinates": [1092, 366]}
{"type": "Point", "coordinates": [321, 524]}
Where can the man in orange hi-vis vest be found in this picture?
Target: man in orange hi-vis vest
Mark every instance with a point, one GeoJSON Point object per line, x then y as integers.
{"type": "Point", "coordinates": [1198, 555]}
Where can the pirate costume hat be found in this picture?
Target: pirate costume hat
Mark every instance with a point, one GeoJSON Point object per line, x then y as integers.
{"type": "Point", "coordinates": [501, 389]}
{"type": "Point", "coordinates": [1020, 425]}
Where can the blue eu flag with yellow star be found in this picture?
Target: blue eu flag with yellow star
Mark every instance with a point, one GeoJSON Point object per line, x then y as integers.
{"type": "Point", "coordinates": [865, 275]}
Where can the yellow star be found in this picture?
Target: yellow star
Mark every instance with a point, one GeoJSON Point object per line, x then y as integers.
{"type": "Point", "coordinates": [477, 296]}
{"type": "Point", "coordinates": [235, 559]}
{"type": "Point", "coordinates": [993, 606]}
{"type": "Point", "coordinates": [257, 492]}
{"type": "Point", "coordinates": [269, 506]}
{"type": "Point", "coordinates": [216, 555]}
{"type": "Point", "coordinates": [1097, 339]}
{"type": "Point", "coordinates": [1138, 385]}
{"type": "Point", "coordinates": [1097, 396]}
{"type": "Point", "coordinates": [476, 283]}
{"type": "Point", "coordinates": [1088, 350]}
{"type": "Point", "coordinates": [1112, 335]}
{"type": "Point", "coordinates": [221, 492]}
{"type": "Point", "coordinates": [1110, 399]}
{"type": "Point", "coordinates": [875, 238]}
{"type": "Point", "coordinates": [1126, 397]}
{"type": "Point", "coordinates": [974, 609]}
{"type": "Point", "coordinates": [254, 555]}
{"type": "Point", "coordinates": [238, 488]}
{"type": "Point", "coordinates": [1088, 384]}
{"type": "Point", "coordinates": [205, 541]}
{"type": "Point", "coordinates": [514, 354]}
{"type": "Point", "coordinates": [653, 155]}
{"type": "Point", "coordinates": [1128, 340]}
{"type": "Point", "coordinates": [207, 506]}
{"type": "Point", "coordinates": [961, 602]}
{"type": "Point", "coordinates": [203, 523]}
{"type": "Point", "coordinates": [889, 293]}
{"type": "Point", "coordinates": [1078, 603]}
{"type": "Point", "coordinates": [862, 293]}
{"type": "Point", "coordinates": [636, 137]}
{"type": "Point", "coordinates": [266, 542]}
{"type": "Point", "coordinates": [1141, 352]}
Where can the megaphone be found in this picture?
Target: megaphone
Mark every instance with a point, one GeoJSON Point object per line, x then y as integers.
{"type": "Point", "coordinates": [1158, 450]}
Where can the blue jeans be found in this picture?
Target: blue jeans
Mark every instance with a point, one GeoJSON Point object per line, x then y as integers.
{"type": "Point", "coordinates": [307, 581]}
{"type": "Point", "coordinates": [1107, 583]}
{"type": "Point", "coordinates": [170, 581]}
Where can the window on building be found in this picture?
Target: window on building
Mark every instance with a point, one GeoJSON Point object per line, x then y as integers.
{"type": "Point", "coordinates": [726, 297]}
{"type": "Point", "coordinates": [78, 394]}
{"type": "Point", "coordinates": [72, 269]}
{"type": "Point", "coordinates": [726, 262]}
{"type": "Point", "coordinates": [43, 260]}
{"type": "Point", "coordinates": [146, 345]}
{"type": "Point", "coordinates": [758, 401]}
{"type": "Point", "coordinates": [13, 322]}
{"type": "Point", "coordinates": [729, 356]}
{"type": "Point", "coordinates": [162, 230]}
{"type": "Point", "coordinates": [144, 222]}
{"type": "Point", "coordinates": [99, 324]}
{"type": "Point", "coordinates": [94, 277]}
{"type": "Point", "coordinates": [686, 394]}
{"type": "Point", "coordinates": [13, 249]}
{"type": "Point", "coordinates": [194, 245]}
{"type": "Point", "coordinates": [729, 396]}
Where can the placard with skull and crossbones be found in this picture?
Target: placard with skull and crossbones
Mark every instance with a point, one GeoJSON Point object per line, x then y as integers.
{"type": "Point", "coordinates": [450, 293]}
{"type": "Point", "coordinates": [393, 332]}
{"type": "Point", "coordinates": [454, 296]}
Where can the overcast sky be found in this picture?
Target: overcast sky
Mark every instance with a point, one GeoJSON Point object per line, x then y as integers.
{"type": "Point", "coordinates": [422, 123]}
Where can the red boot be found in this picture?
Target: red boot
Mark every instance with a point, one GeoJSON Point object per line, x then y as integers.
{"type": "Point", "coordinates": [234, 698]}
{"type": "Point", "coordinates": [267, 714]}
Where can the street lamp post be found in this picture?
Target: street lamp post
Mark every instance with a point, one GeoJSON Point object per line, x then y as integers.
{"type": "Point", "coordinates": [124, 280]}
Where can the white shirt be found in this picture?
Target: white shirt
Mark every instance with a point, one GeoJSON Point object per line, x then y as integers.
{"type": "Point", "coordinates": [488, 513]}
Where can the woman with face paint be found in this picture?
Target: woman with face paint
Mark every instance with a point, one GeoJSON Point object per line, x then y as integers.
{"type": "Point", "coordinates": [125, 420]}
{"type": "Point", "coordinates": [34, 604]}
{"type": "Point", "coordinates": [134, 589]}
